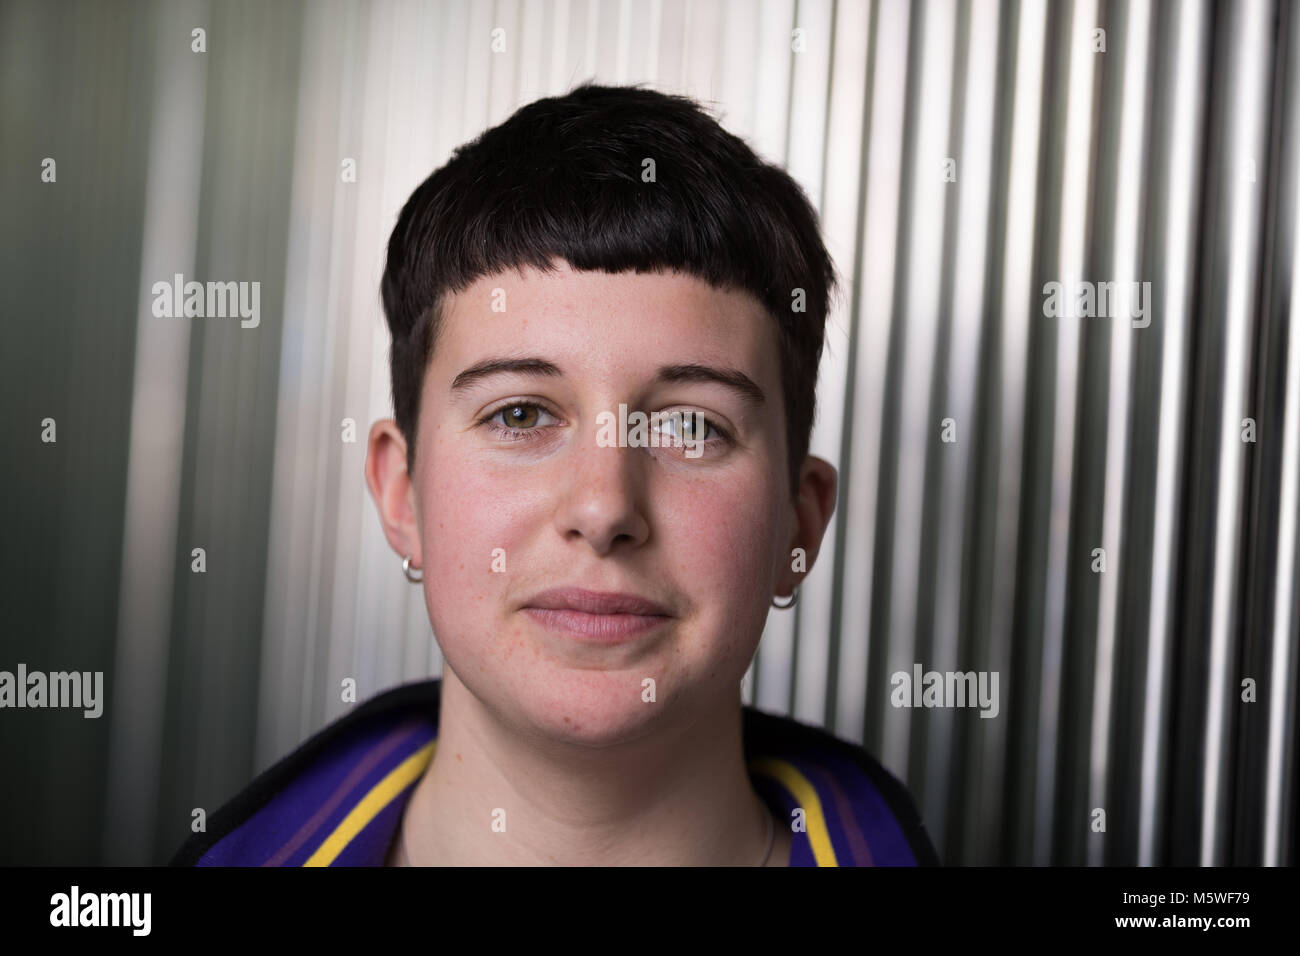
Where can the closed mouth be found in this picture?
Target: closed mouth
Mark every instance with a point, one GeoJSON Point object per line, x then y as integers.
{"type": "Point", "coordinates": [596, 602]}
{"type": "Point", "coordinates": [599, 616]}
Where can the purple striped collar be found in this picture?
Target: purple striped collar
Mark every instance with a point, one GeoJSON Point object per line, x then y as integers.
{"type": "Point", "coordinates": [338, 798]}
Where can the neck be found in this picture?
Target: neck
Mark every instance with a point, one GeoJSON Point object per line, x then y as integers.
{"type": "Point", "coordinates": [678, 797]}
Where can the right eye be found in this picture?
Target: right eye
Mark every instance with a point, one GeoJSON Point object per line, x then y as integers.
{"type": "Point", "coordinates": [514, 420]}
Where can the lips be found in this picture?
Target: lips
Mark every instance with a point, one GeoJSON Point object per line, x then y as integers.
{"type": "Point", "coordinates": [596, 602]}
{"type": "Point", "coordinates": [597, 616]}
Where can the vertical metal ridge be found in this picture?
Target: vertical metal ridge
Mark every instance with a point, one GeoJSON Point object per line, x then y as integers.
{"type": "Point", "coordinates": [1248, 726]}
{"type": "Point", "coordinates": [1018, 294]}
{"type": "Point", "coordinates": [844, 151]}
{"type": "Point", "coordinates": [1181, 180]}
{"type": "Point", "coordinates": [881, 211]}
{"type": "Point", "coordinates": [1074, 213]}
{"type": "Point", "coordinates": [920, 320]}
{"type": "Point", "coordinates": [1279, 689]}
{"type": "Point", "coordinates": [1251, 21]}
{"type": "Point", "coordinates": [985, 743]}
{"type": "Point", "coordinates": [886, 618]}
{"type": "Point", "coordinates": [965, 261]}
{"type": "Point", "coordinates": [1125, 268]}
{"type": "Point", "coordinates": [852, 685]}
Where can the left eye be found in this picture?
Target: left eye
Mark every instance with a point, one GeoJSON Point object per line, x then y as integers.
{"type": "Point", "coordinates": [523, 416]}
{"type": "Point", "coordinates": [687, 425]}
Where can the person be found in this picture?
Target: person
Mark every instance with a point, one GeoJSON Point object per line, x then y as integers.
{"type": "Point", "coordinates": [607, 316]}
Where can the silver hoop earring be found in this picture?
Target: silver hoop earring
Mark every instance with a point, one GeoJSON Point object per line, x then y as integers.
{"type": "Point", "coordinates": [794, 596]}
{"type": "Point", "coordinates": [415, 578]}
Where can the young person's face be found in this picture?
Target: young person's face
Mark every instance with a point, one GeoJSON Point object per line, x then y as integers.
{"type": "Point", "coordinates": [514, 495]}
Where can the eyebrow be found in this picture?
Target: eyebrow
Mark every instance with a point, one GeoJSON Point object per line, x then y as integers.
{"type": "Point", "coordinates": [521, 366]}
{"type": "Point", "coordinates": [731, 378]}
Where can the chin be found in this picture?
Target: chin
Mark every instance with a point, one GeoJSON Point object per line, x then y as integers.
{"type": "Point", "coordinates": [596, 708]}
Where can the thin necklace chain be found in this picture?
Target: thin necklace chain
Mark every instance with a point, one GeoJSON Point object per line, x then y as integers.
{"type": "Point", "coordinates": [771, 841]}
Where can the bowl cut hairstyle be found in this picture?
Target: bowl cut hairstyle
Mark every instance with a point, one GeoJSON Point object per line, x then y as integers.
{"type": "Point", "coordinates": [613, 179]}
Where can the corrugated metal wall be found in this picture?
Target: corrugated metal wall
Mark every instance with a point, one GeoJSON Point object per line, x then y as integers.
{"type": "Point", "coordinates": [1101, 509]}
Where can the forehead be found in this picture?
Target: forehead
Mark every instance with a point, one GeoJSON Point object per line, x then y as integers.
{"type": "Point", "coordinates": [598, 320]}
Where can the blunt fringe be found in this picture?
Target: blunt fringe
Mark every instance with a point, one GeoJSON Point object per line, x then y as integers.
{"type": "Point", "coordinates": [562, 178]}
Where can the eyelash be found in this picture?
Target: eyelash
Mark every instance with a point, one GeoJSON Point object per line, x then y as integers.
{"type": "Point", "coordinates": [527, 434]}
{"type": "Point", "coordinates": [514, 434]}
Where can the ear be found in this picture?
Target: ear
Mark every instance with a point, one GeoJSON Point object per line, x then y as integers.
{"type": "Point", "coordinates": [814, 504]}
{"type": "Point", "coordinates": [390, 486]}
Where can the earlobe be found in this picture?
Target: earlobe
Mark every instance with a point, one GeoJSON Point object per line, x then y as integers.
{"type": "Point", "coordinates": [392, 490]}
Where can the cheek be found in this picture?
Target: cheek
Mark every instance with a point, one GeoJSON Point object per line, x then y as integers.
{"type": "Point", "coordinates": [726, 535]}
{"type": "Point", "coordinates": [472, 527]}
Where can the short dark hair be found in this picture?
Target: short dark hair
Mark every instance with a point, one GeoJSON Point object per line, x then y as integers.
{"type": "Point", "coordinates": [562, 178]}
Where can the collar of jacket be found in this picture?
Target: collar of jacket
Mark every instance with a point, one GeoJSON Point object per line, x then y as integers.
{"type": "Point", "coordinates": [338, 798]}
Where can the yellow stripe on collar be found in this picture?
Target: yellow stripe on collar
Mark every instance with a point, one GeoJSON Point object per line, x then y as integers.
{"type": "Point", "coordinates": [380, 796]}
{"type": "Point", "coordinates": [805, 794]}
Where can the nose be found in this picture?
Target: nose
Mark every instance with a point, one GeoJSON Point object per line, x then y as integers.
{"type": "Point", "coordinates": [602, 497]}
